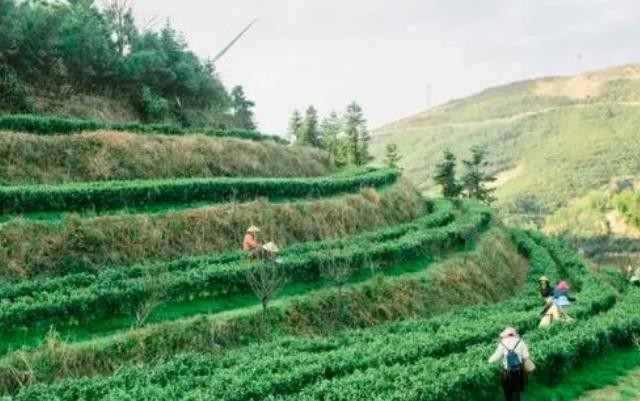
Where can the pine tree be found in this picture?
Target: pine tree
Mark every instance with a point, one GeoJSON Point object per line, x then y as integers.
{"type": "Point", "coordinates": [364, 157]}
{"type": "Point", "coordinates": [330, 130]}
{"type": "Point", "coordinates": [295, 125]}
{"type": "Point", "coordinates": [392, 157]}
{"type": "Point", "coordinates": [357, 136]}
{"type": "Point", "coordinates": [119, 15]}
{"type": "Point", "coordinates": [310, 131]}
{"type": "Point", "coordinates": [445, 176]}
{"type": "Point", "coordinates": [475, 177]}
{"type": "Point", "coordinates": [242, 109]}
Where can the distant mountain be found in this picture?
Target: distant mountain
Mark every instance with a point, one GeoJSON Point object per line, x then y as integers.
{"type": "Point", "coordinates": [551, 139]}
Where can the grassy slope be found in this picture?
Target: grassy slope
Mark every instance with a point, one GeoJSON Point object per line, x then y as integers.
{"type": "Point", "coordinates": [114, 108]}
{"type": "Point", "coordinates": [86, 243]}
{"type": "Point", "coordinates": [33, 159]}
{"type": "Point", "coordinates": [361, 382]}
{"type": "Point", "coordinates": [303, 306]}
{"type": "Point", "coordinates": [561, 133]}
{"type": "Point", "coordinates": [612, 377]}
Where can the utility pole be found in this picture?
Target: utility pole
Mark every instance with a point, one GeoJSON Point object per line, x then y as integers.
{"type": "Point", "coordinates": [579, 61]}
{"type": "Point", "coordinates": [429, 95]}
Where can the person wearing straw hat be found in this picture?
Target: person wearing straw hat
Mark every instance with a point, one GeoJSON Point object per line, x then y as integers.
{"type": "Point", "coordinates": [516, 361]}
{"type": "Point", "coordinates": [545, 289]}
{"type": "Point", "coordinates": [251, 244]}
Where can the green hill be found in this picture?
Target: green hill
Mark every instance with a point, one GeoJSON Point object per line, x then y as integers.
{"type": "Point", "coordinates": [120, 267]}
{"type": "Point", "coordinates": [550, 139]}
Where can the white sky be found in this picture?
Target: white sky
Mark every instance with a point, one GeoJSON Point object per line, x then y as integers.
{"type": "Point", "coordinates": [383, 53]}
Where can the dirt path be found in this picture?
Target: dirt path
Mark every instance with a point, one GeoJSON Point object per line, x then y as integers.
{"type": "Point", "coordinates": [514, 117]}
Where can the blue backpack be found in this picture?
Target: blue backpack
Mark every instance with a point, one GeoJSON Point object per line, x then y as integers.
{"type": "Point", "coordinates": [514, 364]}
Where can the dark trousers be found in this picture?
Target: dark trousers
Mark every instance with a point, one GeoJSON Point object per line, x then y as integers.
{"type": "Point", "coordinates": [512, 385]}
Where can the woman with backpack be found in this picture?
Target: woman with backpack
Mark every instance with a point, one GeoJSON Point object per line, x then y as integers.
{"type": "Point", "coordinates": [514, 355]}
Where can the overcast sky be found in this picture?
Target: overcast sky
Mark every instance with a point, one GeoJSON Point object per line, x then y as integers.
{"type": "Point", "coordinates": [384, 53]}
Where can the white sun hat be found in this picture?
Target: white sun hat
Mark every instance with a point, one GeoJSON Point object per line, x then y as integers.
{"type": "Point", "coordinates": [253, 229]}
{"type": "Point", "coordinates": [271, 247]}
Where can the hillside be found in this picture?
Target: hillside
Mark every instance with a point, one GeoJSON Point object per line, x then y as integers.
{"type": "Point", "coordinates": [550, 139]}
{"type": "Point", "coordinates": [114, 241]}
{"type": "Point", "coordinates": [93, 60]}
{"type": "Point", "coordinates": [121, 266]}
{"type": "Point", "coordinates": [110, 155]}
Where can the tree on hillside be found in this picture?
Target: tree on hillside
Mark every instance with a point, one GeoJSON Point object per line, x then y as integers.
{"type": "Point", "coordinates": [356, 146]}
{"type": "Point", "coordinates": [445, 176]}
{"type": "Point", "coordinates": [242, 109]}
{"type": "Point", "coordinates": [295, 125]}
{"type": "Point", "coordinates": [392, 157]}
{"type": "Point", "coordinates": [475, 178]}
{"type": "Point", "coordinates": [364, 157]}
{"type": "Point", "coordinates": [120, 18]}
{"type": "Point", "coordinates": [310, 131]}
{"type": "Point", "coordinates": [338, 273]}
{"type": "Point", "coordinates": [266, 280]}
{"type": "Point", "coordinates": [330, 130]}
{"type": "Point", "coordinates": [75, 47]}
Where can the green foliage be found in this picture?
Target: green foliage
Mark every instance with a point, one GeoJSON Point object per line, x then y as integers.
{"type": "Point", "coordinates": [242, 109]}
{"type": "Point", "coordinates": [428, 359]}
{"type": "Point", "coordinates": [357, 137]}
{"type": "Point", "coordinates": [475, 178]}
{"type": "Point", "coordinates": [309, 132]}
{"type": "Point", "coordinates": [550, 147]}
{"type": "Point", "coordinates": [152, 107]}
{"type": "Point", "coordinates": [585, 216]}
{"type": "Point", "coordinates": [473, 182]}
{"type": "Point", "coordinates": [108, 195]}
{"type": "Point", "coordinates": [119, 16]}
{"type": "Point", "coordinates": [628, 204]}
{"type": "Point", "coordinates": [14, 96]}
{"type": "Point", "coordinates": [346, 138]}
{"type": "Point", "coordinates": [120, 291]}
{"type": "Point", "coordinates": [445, 176]}
{"type": "Point", "coordinates": [295, 126]}
{"type": "Point", "coordinates": [392, 158]}
{"type": "Point", "coordinates": [591, 380]}
{"type": "Point", "coordinates": [131, 236]}
{"type": "Point", "coordinates": [58, 126]}
{"type": "Point", "coordinates": [76, 46]}
{"type": "Point", "coordinates": [330, 131]}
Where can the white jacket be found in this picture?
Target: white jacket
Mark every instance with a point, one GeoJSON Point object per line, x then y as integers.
{"type": "Point", "coordinates": [507, 344]}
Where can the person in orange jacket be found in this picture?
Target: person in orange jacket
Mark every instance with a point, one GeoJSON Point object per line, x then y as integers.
{"type": "Point", "coordinates": [251, 244]}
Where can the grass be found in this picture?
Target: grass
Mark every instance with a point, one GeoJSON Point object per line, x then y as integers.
{"type": "Point", "coordinates": [473, 272]}
{"type": "Point", "coordinates": [589, 382]}
{"type": "Point", "coordinates": [77, 243]}
{"type": "Point", "coordinates": [83, 331]}
{"type": "Point", "coordinates": [160, 209]}
{"type": "Point", "coordinates": [109, 155]}
{"type": "Point", "coordinates": [485, 271]}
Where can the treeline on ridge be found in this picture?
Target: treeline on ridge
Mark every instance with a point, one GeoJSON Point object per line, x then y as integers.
{"type": "Point", "coordinates": [51, 51]}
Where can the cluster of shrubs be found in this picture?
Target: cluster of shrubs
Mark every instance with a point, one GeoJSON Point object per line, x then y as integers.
{"type": "Point", "coordinates": [46, 125]}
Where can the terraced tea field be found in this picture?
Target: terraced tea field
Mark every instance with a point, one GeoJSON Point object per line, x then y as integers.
{"type": "Point", "coordinates": [136, 290]}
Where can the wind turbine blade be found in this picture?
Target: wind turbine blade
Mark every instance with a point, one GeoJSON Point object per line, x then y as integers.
{"type": "Point", "coordinates": [233, 42]}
